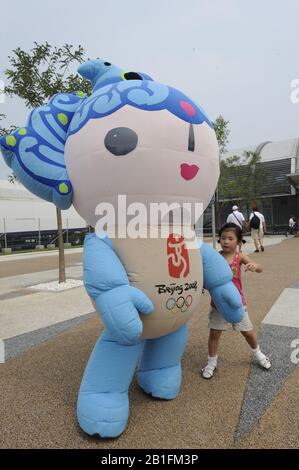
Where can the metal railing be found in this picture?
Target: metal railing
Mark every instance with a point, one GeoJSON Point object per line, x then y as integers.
{"type": "Point", "coordinates": [56, 238]}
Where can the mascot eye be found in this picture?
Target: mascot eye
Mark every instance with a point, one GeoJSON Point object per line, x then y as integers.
{"type": "Point", "coordinates": [131, 76]}
{"type": "Point", "coordinates": [107, 63]}
{"type": "Point", "coordinates": [121, 141]}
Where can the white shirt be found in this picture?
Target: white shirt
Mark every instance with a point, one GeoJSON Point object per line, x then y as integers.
{"type": "Point", "coordinates": [260, 216]}
{"type": "Point", "coordinates": [291, 222]}
{"type": "Point", "coordinates": [233, 220]}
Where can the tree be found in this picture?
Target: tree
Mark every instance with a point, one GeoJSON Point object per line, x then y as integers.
{"type": "Point", "coordinates": [13, 178]}
{"type": "Point", "coordinates": [37, 75]}
{"type": "Point", "coordinates": [222, 132]}
{"type": "Point", "coordinates": [242, 177]}
{"type": "Point", "coordinates": [3, 130]}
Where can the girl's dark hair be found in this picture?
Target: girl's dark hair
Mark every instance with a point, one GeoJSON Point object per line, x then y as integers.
{"type": "Point", "coordinates": [232, 228]}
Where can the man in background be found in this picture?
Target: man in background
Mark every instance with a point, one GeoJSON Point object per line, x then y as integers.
{"type": "Point", "coordinates": [292, 226]}
{"type": "Point", "coordinates": [236, 217]}
{"type": "Point", "coordinates": [258, 228]}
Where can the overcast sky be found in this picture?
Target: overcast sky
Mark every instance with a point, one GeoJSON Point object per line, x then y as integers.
{"type": "Point", "coordinates": [234, 57]}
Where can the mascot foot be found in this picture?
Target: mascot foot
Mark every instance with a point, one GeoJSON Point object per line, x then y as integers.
{"type": "Point", "coordinates": [105, 414]}
{"type": "Point", "coordinates": [161, 383]}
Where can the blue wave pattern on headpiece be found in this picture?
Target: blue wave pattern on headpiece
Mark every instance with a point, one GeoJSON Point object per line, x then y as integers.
{"type": "Point", "coordinates": [36, 152]}
{"type": "Point", "coordinates": [142, 94]}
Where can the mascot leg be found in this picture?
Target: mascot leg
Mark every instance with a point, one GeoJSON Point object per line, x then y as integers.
{"type": "Point", "coordinates": [159, 372]}
{"type": "Point", "coordinates": [103, 404]}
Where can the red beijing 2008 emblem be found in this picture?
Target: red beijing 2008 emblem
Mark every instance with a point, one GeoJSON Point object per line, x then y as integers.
{"type": "Point", "coordinates": [177, 254]}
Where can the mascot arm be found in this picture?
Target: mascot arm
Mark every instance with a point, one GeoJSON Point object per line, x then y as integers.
{"type": "Point", "coordinates": [218, 280]}
{"type": "Point", "coordinates": [106, 282]}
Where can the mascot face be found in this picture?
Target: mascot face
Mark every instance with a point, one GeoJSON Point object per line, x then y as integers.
{"type": "Point", "coordinates": [147, 152]}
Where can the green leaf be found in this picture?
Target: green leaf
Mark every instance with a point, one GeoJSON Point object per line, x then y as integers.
{"type": "Point", "coordinates": [37, 75]}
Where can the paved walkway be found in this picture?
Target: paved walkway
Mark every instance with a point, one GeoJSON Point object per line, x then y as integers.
{"type": "Point", "coordinates": [39, 387]}
{"type": "Point", "coordinates": [27, 316]}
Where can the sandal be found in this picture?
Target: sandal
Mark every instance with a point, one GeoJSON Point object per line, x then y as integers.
{"type": "Point", "coordinates": [265, 363]}
{"type": "Point", "coordinates": [208, 371]}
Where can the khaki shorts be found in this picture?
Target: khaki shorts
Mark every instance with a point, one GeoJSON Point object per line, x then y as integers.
{"type": "Point", "coordinates": [217, 321]}
{"type": "Point", "coordinates": [257, 234]}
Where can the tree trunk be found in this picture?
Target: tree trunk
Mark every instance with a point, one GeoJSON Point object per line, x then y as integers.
{"type": "Point", "coordinates": [61, 247]}
{"type": "Point", "coordinates": [218, 207]}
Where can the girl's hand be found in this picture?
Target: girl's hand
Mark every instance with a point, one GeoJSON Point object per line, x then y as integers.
{"type": "Point", "coordinates": [249, 264]}
{"type": "Point", "coordinates": [251, 267]}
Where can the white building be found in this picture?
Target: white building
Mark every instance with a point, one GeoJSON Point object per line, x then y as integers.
{"type": "Point", "coordinates": [21, 211]}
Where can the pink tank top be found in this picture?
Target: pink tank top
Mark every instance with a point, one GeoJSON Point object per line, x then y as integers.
{"type": "Point", "coordinates": [235, 266]}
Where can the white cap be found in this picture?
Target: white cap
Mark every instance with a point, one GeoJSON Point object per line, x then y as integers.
{"type": "Point", "coordinates": [235, 208]}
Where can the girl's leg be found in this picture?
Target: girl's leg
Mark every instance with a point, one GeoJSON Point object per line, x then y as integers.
{"type": "Point", "coordinates": [250, 338]}
{"type": "Point", "coordinates": [103, 404]}
{"type": "Point", "coordinates": [159, 371]}
{"type": "Point", "coordinates": [258, 355]}
{"type": "Point", "coordinates": [213, 343]}
{"type": "Point", "coordinates": [208, 371]}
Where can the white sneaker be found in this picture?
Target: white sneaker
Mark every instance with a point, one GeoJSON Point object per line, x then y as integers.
{"type": "Point", "coordinates": [208, 371]}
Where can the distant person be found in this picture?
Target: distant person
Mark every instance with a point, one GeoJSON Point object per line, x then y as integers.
{"type": "Point", "coordinates": [292, 226]}
{"type": "Point", "coordinates": [230, 241]}
{"type": "Point", "coordinates": [236, 217]}
{"type": "Point", "coordinates": [258, 229]}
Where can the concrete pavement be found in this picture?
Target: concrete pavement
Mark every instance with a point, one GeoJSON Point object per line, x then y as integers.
{"type": "Point", "coordinates": [28, 316]}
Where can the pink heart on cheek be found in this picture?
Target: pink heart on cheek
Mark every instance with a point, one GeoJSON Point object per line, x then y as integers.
{"type": "Point", "coordinates": [188, 172]}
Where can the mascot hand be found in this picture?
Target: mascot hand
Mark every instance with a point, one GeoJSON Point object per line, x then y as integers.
{"type": "Point", "coordinates": [120, 308]}
{"type": "Point", "coordinates": [228, 302]}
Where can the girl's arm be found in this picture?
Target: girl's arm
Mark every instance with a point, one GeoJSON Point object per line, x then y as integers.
{"type": "Point", "coordinates": [249, 264]}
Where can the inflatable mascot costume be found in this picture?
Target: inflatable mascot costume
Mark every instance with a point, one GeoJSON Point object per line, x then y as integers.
{"type": "Point", "coordinates": [150, 143]}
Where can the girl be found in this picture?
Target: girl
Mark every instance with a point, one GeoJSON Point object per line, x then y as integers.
{"type": "Point", "coordinates": [230, 240]}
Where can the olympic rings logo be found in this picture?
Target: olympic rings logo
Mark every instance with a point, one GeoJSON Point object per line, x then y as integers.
{"type": "Point", "coordinates": [180, 305]}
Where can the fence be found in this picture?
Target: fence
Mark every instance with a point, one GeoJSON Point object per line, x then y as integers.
{"type": "Point", "coordinates": [28, 232]}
